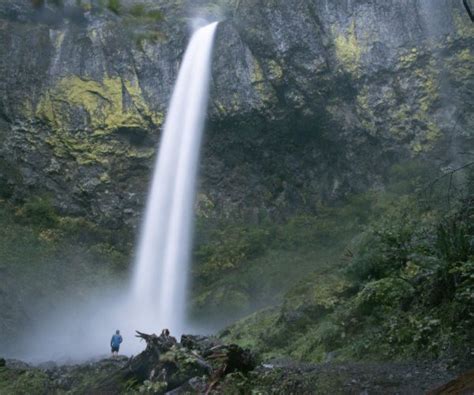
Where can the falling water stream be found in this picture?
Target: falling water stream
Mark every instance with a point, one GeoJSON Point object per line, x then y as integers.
{"type": "Point", "coordinates": [155, 299]}
{"type": "Point", "coordinates": [160, 274]}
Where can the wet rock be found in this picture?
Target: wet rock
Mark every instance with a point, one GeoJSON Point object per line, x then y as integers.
{"type": "Point", "coordinates": [199, 343]}
{"type": "Point", "coordinates": [47, 366]}
{"type": "Point", "coordinates": [312, 93]}
{"type": "Point", "coordinates": [16, 364]}
{"type": "Point", "coordinates": [196, 385]}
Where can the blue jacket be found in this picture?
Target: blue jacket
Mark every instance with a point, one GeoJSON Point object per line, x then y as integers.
{"type": "Point", "coordinates": [116, 340]}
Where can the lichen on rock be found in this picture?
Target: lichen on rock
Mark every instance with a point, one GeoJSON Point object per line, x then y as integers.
{"type": "Point", "coordinates": [348, 50]}
{"type": "Point", "coordinates": [82, 113]}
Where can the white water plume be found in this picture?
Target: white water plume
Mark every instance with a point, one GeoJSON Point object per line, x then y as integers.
{"type": "Point", "coordinates": [161, 271]}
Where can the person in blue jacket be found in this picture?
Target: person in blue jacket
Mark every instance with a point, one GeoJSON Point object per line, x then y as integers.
{"type": "Point", "coordinates": [115, 343]}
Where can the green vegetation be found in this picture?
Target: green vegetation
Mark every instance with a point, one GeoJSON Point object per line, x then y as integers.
{"type": "Point", "coordinates": [53, 258]}
{"type": "Point", "coordinates": [106, 112]}
{"type": "Point", "coordinates": [136, 13]}
{"type": "Point", "coordinates": [139, 10]}
{"type": "Point", "coordinates": [148, 19]}
{"type": "Point", "coordinates": [39, 211]}
{"type": "Point", "coordinates": [44, 235]}
{"type": "Point", "coordinates": [23, 382]}
{"type": "Point", "coordinates": [240, 262]}
{"type": "Point", "coordinates": [404, 287]}
{"type": "Point", "coordinates": [115, 6]}
{"type": "Point", "coordinates": [348, 50]}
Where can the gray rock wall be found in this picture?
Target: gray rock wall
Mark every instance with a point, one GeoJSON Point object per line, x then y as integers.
{"type": "Point", "coordinates": [310, 100]}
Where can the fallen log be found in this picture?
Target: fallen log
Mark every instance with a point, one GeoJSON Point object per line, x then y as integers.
{"type": "Point", "coordinates": [462, 385]}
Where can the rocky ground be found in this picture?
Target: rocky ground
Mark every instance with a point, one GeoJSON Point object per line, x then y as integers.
{"type": "Point", "coordinates": [199, 365]}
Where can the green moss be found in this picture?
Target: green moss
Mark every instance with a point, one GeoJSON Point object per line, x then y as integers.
{"type": "Point", "coordinates": [259, 83]}
{"type": "Point", "coordinates": [462, 24]}
{"type": "Point", "coordinates": [230, 247]}
{"type": "Point", "coordinates": [257, 78]}
{"type": "Point", "coordinates": [152, 36]}
{"type": "Point", "coordinates": [204, 206]}
{"type": "Point", "coordinates": [392, 294]}
{"type": "Point", "coordinates": [430, 88]}
{"type": "Point", "coordinates": [139, 11]}
{"type": "Point", "coordinates": [414, 123]}
{"type": "Point", "coordinates": [409, 58]}
{"type": "Point", "coordinates": [39, 211]}
{"type": "Point", "coordinates": [409, 122]}
{"type": "Point", "coordinates": [104, 178]}
{"type": "Point", "coordinates": [100, 108]}
{"type": "Point", "coordinates": [232, 258]}
{"type": "Point", "coordinates": [399, 308]}
{"type": "Point", "coordinates": [155, 15]}
{"type": "Point", "coordinates": [400, 121]}
{"type": "Point", "coordinates": [220, 107]}
{"type": "Point", "coordinates": [461, 67]}
{"type": "Point", "coordinates": [429, 95]}
{"type": "Point", "coordinates": [115, 6]}
{"type": "Point", "coordinates": [249, 332]}
{"type": "Point", "coordinates": [48, 258]}
{"type": "Point", "coordinates": [142, 153]}
{"type": "Point", "coordinates": [348, 50]}
{"type": "Point", "coordinates": [86, 6]}
{"type": "Point", "coordinates": [365, 111]}
{"type": "Point", "coordinates": [23, 382]}
{"type": "Point", "coordinates": [102, 102]}
{"type": "Point", "coordinates": [326, 295]}
{"type": "Point", "coordinates": [276, 71]}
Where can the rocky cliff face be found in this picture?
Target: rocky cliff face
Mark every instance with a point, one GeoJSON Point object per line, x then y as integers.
{"type": "Point", "coordinates": [311, 100]}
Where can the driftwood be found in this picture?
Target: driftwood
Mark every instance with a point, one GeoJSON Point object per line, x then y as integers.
{"type": "Point", "coordinates": [157, 344]}
{"type": "Point", "coordinates": [144, 366]}
{"type": "Point", "coordinates": [228, 358]}
{"type": "Point", "coordinates": [175, 364]}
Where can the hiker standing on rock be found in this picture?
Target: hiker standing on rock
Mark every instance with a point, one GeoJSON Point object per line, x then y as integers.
{"type": "Point", "coordinates": [115, 343]}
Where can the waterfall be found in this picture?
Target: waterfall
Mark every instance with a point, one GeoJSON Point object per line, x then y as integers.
{"type": "Point", "coordinates": [157, 292]}
{"type": "Point", "coordinates": [161, 267]}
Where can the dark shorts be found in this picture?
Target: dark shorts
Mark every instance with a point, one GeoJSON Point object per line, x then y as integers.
{"type": "Point", "coordinates": [115, 348]}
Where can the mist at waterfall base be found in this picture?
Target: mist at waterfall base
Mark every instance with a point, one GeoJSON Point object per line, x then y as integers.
{"type": "Point", "coordinates": [156, 298]}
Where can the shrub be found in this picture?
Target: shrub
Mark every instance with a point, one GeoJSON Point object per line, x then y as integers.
{"type": "Point", "coordinates": [39, 211]}
{"type": "Point", "coordinates": [454, 240]}
{"type": "Point", "coordinates": [138, 10]}
{"type": "Point", "coordinates": [387, 293]}
{"type": "Point", "coordinates": [155, 15]}
{"type": "Point", "coordinates": [229, 248]}
{"type": "Point", "coordinates": [388, 244]}
{"type": "Point", "coordinates": [115, 6]}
